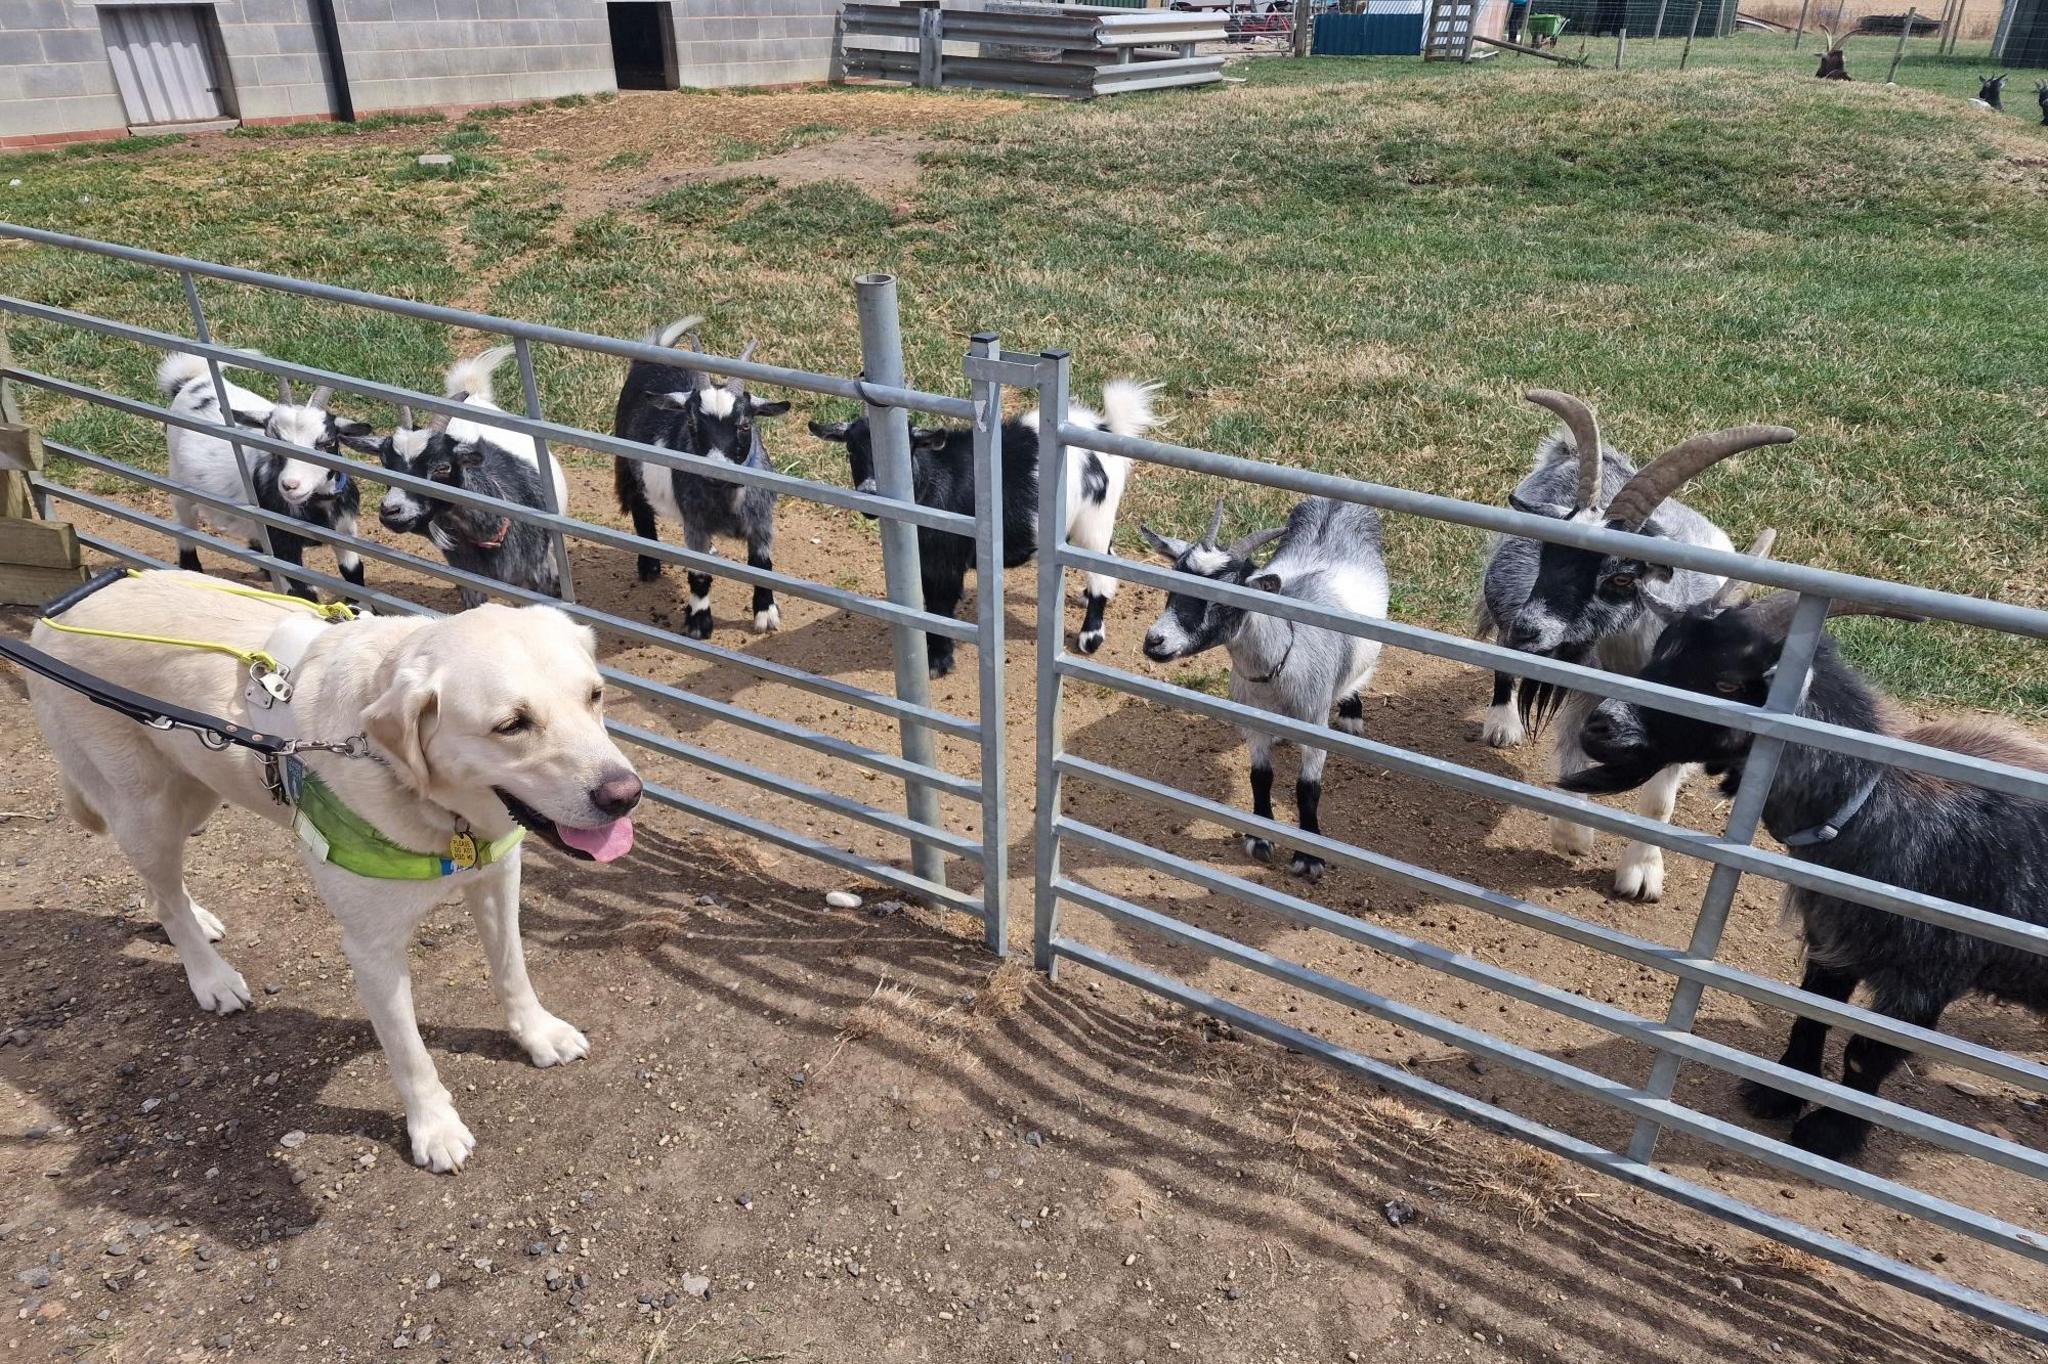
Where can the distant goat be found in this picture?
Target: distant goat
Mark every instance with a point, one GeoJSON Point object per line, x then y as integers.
{"type": "Point", "coordinates": [284, 486]}
{"type": "Point", "coordinates": [1598, 609]}
{"type": "Point", "coordinates": [1329, 555]}
{"type": "Point", "coordinates": [1991, 92]}
{"type": "Point", "coordinates": [488, 460]}
{"type": "Point", "coordinates": [1833, 62]}
{"type": "Point", "coordinates": [681, 409]}
{"type": "Point", "coordinates": [942, 475]}
{"type": "Point", "coordinates": [1963, 843]}
{"type": "Point", "coordinates": [2041, 98]}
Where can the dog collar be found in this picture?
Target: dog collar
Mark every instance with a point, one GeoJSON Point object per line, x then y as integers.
{"type": "Point", "coordinates": [1832, 829]}
{"type": "Point", "coordinates": [342, 838]}
{"type": "Point", "coordinates": [504, 529]}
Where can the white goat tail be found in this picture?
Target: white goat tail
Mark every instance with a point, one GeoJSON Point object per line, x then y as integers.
{"type": "Point", "coordinates": [1127, 406]}
{"type": "Point", "coordinates": [179, 369]}
{"type": "Point", "coordinates": [473, 376]}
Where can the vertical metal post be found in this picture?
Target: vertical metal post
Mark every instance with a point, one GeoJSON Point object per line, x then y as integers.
{"type": "Point", "coordinates": [1900, 51]}
{"type": "Point", "coordinates": [881, 355]}
{"type": "Point", "coordinates": [10, 410]}
{"type": "Point", "coordinates": [1301, 36]}
{"type": "Point", "coordinates": [1788, 691]}
{"type": "Point", "coordinates": [988, 620]}
{"type": "Point", "coordinates": [1799, 34]}
{"type": "Point", "coordinates": [1620, 49]}
{"type": "Point", "coordinates": [523, 353]}
{"type": "Point", "coordinates": [931, 48]}
{"type": "Point", "coordinates": [1657, 31]}
{"type": "Point", "coordinates": [227, 417]}
{"type": "Point", "coordinates": [1055, 376]}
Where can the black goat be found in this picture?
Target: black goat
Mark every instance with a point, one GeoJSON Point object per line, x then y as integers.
{"type": "Point", "coordinates": [1991, 92]}
{"type": "Point", "coordinates": [1833, 62]}
{"type": "Point", "coordinates": [942, 475]}
{"type": "Point", "coordinates": [2041, 98]}
{"type": "Point", "coordinates": [681, 409]}
{"type": "Point", "coordinates": [1963, 843]}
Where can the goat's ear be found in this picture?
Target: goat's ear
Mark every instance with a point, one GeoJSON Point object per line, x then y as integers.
{"type": "Point", "coordinates": [258, 419]}
{"type": "Point", "coordinates": [470, 456]}
{"type": "Point", "coordinates": [401, 720]}
{"type": "Point", "coordinates": [1264, 582]}
{"type": "Point", "coordinates": [767, 409]}
{"type": "Point", "coordinates": [1556, 511]}
{"type": "Point", "coordinates": [349, 426]}
{"type": "Point", "coordinates": [679, 400]}
{"type": "Point", "coordinates": [362, 441]}
{"type": "Point", "coordinates": [835, 431]}
{"type": "Point", "coordinates": [1172, 549]}
{"type": "Point", "coordinates": [930, 439]}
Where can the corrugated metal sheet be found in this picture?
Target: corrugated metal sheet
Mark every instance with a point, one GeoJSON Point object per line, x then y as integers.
{"type": "Point", "coordinates": [163, 62]}
{"type": "Point", "coordinates": [1386, 30]}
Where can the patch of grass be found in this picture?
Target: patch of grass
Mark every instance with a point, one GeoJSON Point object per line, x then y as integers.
{"type": "Point", "coordinates": [465, 165]}
{"type": "Point", "coordinates": [829, 215]}
{"type": "Point", "coordinates": [313, 128]}
{"type": "Point", "coordinates": [502, 229]}
{"type": "Point", "coordinates": [15, 162]}
{"type": "Point", "coordinates": [466, 137]}
{"type": "Point", "coordinates": [707, 203]}
{"type": "Point", "coordinates": [629, 160]}
{"type": "Point", "coordinates": [803, 135]}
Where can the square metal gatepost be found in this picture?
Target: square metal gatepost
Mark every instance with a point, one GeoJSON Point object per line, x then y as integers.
{"type": "Point", "coordinates": [1055, 377]}
{"type": "Point", "coordinates": [989, 605]}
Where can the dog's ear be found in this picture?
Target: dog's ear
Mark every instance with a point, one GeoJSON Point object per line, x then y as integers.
{"type": "Point", "coordinates": [400, 721]}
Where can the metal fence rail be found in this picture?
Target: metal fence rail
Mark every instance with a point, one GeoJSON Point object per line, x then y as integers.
{"type": "Point", "coordinates": [888, 403]}
{"type": "Point", "coordinates": [1692, 969]}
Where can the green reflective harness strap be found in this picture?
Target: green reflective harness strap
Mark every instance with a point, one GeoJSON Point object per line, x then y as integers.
{"type": "Point", "coordinates": [342, 838]}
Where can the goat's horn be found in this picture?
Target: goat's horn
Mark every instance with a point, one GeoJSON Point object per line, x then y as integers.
{"type": "Point", "coordinates": [439, 425]}
{"type": "Point", "coordinates": [1215, 525]}
{"type": "Point", "coordinates": [1684, 462]}
{"type": "Point", "coordinates": [1256, 541]}
{"type": "Point", "coordinates": [322, 396]}
{"type": "Point", "coordinates": [1585, 429]}
{"type": "Point", "coordinates": [1774, 612]}
{"type": "Point", "coordinates": [1735, 589]}
{"type": "Point", "coordinates": [733, 382]}
{"type": "Point", "coordinates": [405, 416]}
{"type": "Point", "coordinates": [284, 390]}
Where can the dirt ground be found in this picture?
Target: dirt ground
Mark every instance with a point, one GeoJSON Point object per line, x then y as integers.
{"type": "Point", "coordinates": [840, 1135]}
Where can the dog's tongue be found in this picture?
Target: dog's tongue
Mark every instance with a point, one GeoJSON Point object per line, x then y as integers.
{"type": "Point", "coordinates": [606, 842]}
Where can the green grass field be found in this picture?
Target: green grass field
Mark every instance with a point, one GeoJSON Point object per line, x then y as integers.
{"type": "Point", "coordinates": [1356, 265]}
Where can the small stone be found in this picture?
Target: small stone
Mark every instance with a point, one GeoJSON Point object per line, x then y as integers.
{"type": "Point", "coordinates": [292, 1140]}
{"type": "Point", "coordinates": [883, 909]}
{"type": "Point", "coordinates": [439, 159]}
{"type": "Point", "coordinates": [117, 1248]}
{"type": "Point", "coordinates": [20, 1037]}
{"type": "Point", "coordinates": [104, 1314]}
{"type": "Point", "coordinates": [1033, 1139]}
{"type": "Point", "coordinates": [203, 1252]}
{"type": "Point", "coordinates": [37, 1131]}
{"type": "Point", "coordinates": [1234, 1293]}
{"type": "Point", "coordinates": [696, 1286]}
{"type": "Point", "coordinates": [538, 1248]}
{"type": "Point", "coordinates": [152, 1105]}
{"type": "Point", "coordinates": [1130, 1259]}
{"type": "Point", "coordinates": [224, 1341]}
{"type": "Point", "coordinates": [842, 899]}
{"type": "Point", "coordinates": [433, 1280]}
{"type": "Point", "coordinates": [482, 1262]}
{"type": "Point", "coordinates": [745, 1201]}
{"type": "Point", "coordinates": [1733, 1283]}
{"type": "Point", "coordinates": [554, 1279]}
{"type": "Point", "coordinates": [37, 1277]}
{"type": "Point", "coordinates": [273, 989]}
{"type": "Point", "coordinates": [1400, 1212]}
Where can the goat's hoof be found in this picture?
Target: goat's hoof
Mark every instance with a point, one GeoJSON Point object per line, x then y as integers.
{"type": "Point", "coordinates": [1258, 850]}
{"type": "Point", "coordinates": [1309, 868]}
{"type": "Point", "coordinates": [650, 570]}
{"type": "Point", "coordinates": [939, 667]}
{"type": "Point", "coordinates": [1573, 840]}
{"type": "Point", "coordinates": [1770, 1105]}
{"type": "Point", "coordinates": [768, 621]}
{"type": "Point", "coordinates": [1831, 1134]}
{"type": "Point", "coordinates": [1502, 728]}
{"type": "Point", "coordinates": [1089, 641]}
{"type": "Point", "coordinates": [1350, 724]}
{"type": "Point", "coordinates": [1640, 878]}
{"type": "Point", "coordinates": [698, 625]}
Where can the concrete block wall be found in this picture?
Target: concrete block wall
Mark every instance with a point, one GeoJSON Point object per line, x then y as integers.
{"type": "Point", "coordinates": [414, 54]}
{"type": "Point", "coordinates": [753, 42]}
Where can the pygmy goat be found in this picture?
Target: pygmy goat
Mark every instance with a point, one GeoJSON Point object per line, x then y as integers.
{"type": "Point", "coordinates": [942, 475]}
{"type": "Point", "coordinates": [1329, 555]}
{"type": "Point", "coordinates": [1990, 92]}
{"type": "Point", "coordinates": [683, 410]}
{"type": "Point", "coordinates": [1584, 607]}
{"type": "Point", "coordinates": [1833, 62]}
{"type": "Point", "coordinates": [486, 460]}
{"type": "Point", "coordinates": [284, 486]}
{"type": "Point", "coordinates": [2041, 98]}
{"type": "Point", "coordinates": [1963, 843]}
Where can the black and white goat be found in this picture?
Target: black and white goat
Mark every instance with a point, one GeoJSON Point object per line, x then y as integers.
{"type": "Point", "coordinates": [284, 486]}
{"type": "Point", "coordinates": [1329, 555]}
{"type": "Point", "coordinates": [684, 410]}
{"type": "Point", "coordinates": [487, 460]}
{"type": "Point", "coordinates": [1597, 609]}
{"type": "Point", "coordinates": [1991, 92]}
{"type": "Point", "coordinates": [942, 475]}
{"type": "Point", "coordinates": [1963, 843]}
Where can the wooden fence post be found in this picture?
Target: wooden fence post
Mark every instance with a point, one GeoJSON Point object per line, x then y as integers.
{"type": "Point", "coordinates": [1905, 29]}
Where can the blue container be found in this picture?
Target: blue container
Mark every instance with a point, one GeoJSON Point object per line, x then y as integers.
{"type": "Point", "coordinates": [1391, 34]}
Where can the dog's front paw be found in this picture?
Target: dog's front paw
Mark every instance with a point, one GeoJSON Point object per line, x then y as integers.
{"type": "Point", "coordinates": [550, 1041]}
{"type": "Point", "coordinates": [440, 1139]}
{"type": "Point", "coordinates": [218, 987]}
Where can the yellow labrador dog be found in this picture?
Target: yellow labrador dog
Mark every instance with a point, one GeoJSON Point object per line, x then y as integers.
{"type": "Point", "coordinates": [477, 726]}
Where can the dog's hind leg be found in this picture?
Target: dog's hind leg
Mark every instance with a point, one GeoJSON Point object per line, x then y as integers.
{"type": "Point", "coordinates": [493, 900]}
{"type": "Point", "coordinates": [150, 827]}
{"type": "Point", "coordinates": [377, 919]}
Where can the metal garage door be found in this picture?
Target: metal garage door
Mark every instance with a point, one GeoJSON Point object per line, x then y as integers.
{"type": "Point", "coordinates": [163, 62]}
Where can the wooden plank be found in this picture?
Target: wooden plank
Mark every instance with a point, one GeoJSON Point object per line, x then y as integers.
{"type": "Point", "coordinates": [21, 586]}
{"type": "Point", "coordinates": [21, 448]}
{"type": "Point", "coordinates": [38, 544]}
{"type": "Point", "coordinates": [1527, 51]}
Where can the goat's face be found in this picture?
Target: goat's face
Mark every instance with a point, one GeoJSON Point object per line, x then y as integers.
{"type": "Point", "coordinates": [1731, 654]}
{"type": "Point", "coordinates": [298, 480]}
{"type": "Point", "coordinates": [860, 448]}
{"type": "Point", "coordinates": [404, 451]}
{"type": "Point", "coordinates": [1580, 596]}
{"type": "Point", "coordinates": [719, 420]}
{"type": "Point", "coordinates": [1190, 624]}
{"type": "Point", "coordinates": [1991, 90]}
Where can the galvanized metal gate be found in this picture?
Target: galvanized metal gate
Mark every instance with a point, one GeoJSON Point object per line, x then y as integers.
{"type": "Point", "coordinates": [1692, 970]}
{"type": "Point", "coordinates": [888, 404]}
{"type": "Point", "coordinates": [163, 62]}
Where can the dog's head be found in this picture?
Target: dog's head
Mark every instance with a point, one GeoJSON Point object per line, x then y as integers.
{"type": "Point", "coordinates": [504, 706]}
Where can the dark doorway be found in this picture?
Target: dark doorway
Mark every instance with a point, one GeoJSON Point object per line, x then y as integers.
{"type": "Point", "coordinates": [643, 44]}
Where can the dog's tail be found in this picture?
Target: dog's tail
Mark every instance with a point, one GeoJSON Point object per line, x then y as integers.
{"type": "Point", "coordinates": [80, 809]}
{"type": "Point", "coordinates": [473, 376]}
{"type": "Point", "coordinates": [674, 331]}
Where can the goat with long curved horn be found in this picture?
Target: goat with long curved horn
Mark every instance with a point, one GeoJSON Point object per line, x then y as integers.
{"type": "Point", "coordinates": [734, 384]}
{"type": "Point", "coordinates": [1735, 591]}
{"type": "Point", "coordinates": [1682, 463]}
{"type": "Point", "coordinates": [1579, 418]}
{"type": "Point", "coordinates": [1215, 525]}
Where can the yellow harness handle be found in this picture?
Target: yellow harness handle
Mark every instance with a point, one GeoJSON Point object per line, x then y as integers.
{"type": "Point", "coordinates": [249, 658]}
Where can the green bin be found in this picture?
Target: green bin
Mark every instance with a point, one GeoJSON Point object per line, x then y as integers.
{"type": "Point", "coordinates": [1546, 26]}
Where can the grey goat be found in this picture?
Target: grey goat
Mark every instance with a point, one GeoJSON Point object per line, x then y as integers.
{"type": "Point", "coordinates": [1598, 609]}
{"type": "Point", "coordinates": [1330, 555]}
